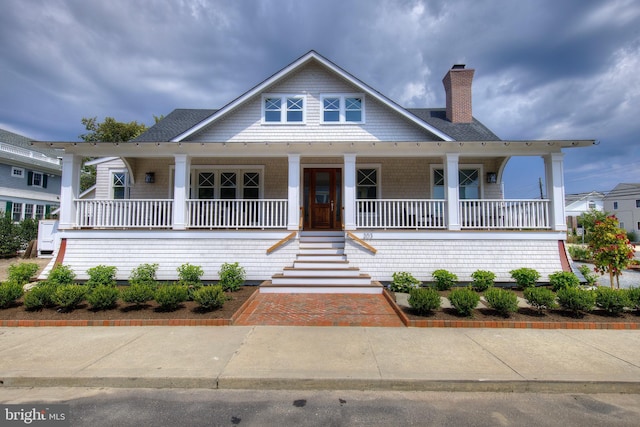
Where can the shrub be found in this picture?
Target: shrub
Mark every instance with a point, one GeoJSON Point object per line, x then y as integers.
{"type": "Point", "coordinates": [102, 275]}
{"type": "Point", "coordinates": [632, 236]}
{"type": "Point", "coordinates": [210, 297]}
{"type": "Point", "coordinates": [540, 298]}
{"type": "Point", "coordinates": [9, 292]}
{"type": "Point", "coordinates": [634, 297]}
{"type": "Point", "coordinates": [138, 293]}
{"type": "Point", "coordinates": [103, 297]}
{"type": "Point", "coordinates": [189, 276]}
{"type": "Point", "coordinates": [579, 253]}
{"type": "Point", "coordinates": [502, 300]}
{"type": "Point", "coordinates": [576, 300]}
{"type": "Point", "coordinates": [403, 282]}
{"type": "Point", "coordinates": [23, 272]}
{"type": "Point", "coordinates": [169, 297]}
{"type": "Point", "coordinates": [588, 275]}
{"type": "Point", "coordinates": [525, 277]}
{"type": "Point", "coordinates": [424, 300]}
{"type": "Point", "coordinates": [144, 274]}
{"type": "Point", "coordinates": [444, 279]}
{"type": "Point", "coordinates": [563, 279]}
{"type": "Point", "coordinates": [69, 296]}
{"type": "Point", "coordinates": [9, 239]}
{"type": "Point", "coordinates": [231, 276]}
{"type": "Point", "coordinates": [39, 297]}
{"type": "Point", "coordinates": [464, 300]}
{"type": "Point", "coordinates": [613, 301]}
{"type": "Point", "coordinates": [27, 230]}
{"type": "Point", "coordinates": [61, 275]}
{"type": "Point", "coordinates": [482, 280]}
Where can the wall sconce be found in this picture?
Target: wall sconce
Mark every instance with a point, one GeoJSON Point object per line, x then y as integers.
{"type": "Point", "coordinates": [150, 177]}
{"type": "Point", "coordinates": [492, 177]}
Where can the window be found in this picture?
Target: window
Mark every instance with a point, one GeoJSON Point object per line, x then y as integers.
{"type": "Point", "coordinates": [17, 172]}
{"type": "Point", "coordinates": [342, 108]}
{"type": "Point", "coordinates": [227, 184]}
{"type": "Point", "coordinates": [637, 203]}
{"type": "Point", "coordinates": [468, 184]}
{"type": "Point", "coordinates": [283, 109]}
{"type": "Point", "coordinates": [206, 185]}
{"type": "Point", "coordinates": [28, 210]}
{"type": "Point", "coordinates": [37, 179]}
{"type": "Point", "coordinates": [39, 211]}
{"type": "Point", "coordinates": [591, 204]}
{"type": "Point", "coordinates": [16, 213]}
{"type": "Point", "coordinates": [120, 185]}
{"type": "Point", "coordinates": [615, 205]}
{"type": "Point", "coordinates": [367, 187]}
{"type": "Point", "coordinates": [251, 187]}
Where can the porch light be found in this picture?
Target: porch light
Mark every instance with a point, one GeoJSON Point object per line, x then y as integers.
{"type": "Point", "coordinates": [150, 177]}
{"type": "Point", "coordinates": [492, 177]}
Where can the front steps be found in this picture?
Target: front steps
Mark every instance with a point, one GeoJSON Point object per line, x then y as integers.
{"type": "Point", "coordinates": [321, 266]}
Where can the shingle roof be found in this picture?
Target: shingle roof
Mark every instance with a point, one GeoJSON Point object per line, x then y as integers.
{"type": "Point", "coordinates": [175, 123]}
{"type": "Point", "coordinates": [22, 142]}
{"type": "Point", "coordinates": [436, 117]}
{"type": "Point", "coordinates": [624, 190]}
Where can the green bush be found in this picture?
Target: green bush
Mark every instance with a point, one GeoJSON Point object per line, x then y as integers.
{"type": "Point", "coordinates": [576, 300]}
{"type": "Point", "coordinates": [464, 300]}
{"type": "Point", "coordinates": [424, 300]}
{"type": "Point", "coordinates": [169, 297]}
{"type": "Point", "coordinates": [633, 294]}
{"type": "Point", "coordinates": [482, 280]}
{"type": "Point", "coordinates": [525, 277]}
{"type": "Point", "coordinates": [563, 279]}
{"type": "Point", "coordinates": [613, 301]}
{"type": "Point", "coordinates": [540, 298]}
{"type": "Point", "coordinates": [144, 274]}
{"type": "Point", "coordinates": [61, 275]}
{"type": "Point", "coordinates": [39, 297]}
{"type": "Point", "coordinates": [190, 276]}
{"type": "Point", "coordinates": [403, 282]}
{"type": "Point", "coordinates": [231, 276]}
{"type": "Point", "coordinates": [9, 293]}
{"type": "Point", "coordinates": [27, 230]}
{"type": "Point", "coordinates": [588, 275]}
{"type": "Point", "coordinates": [69, 296]}
{"type": "Point", "coordinates": [579, 253]}
{"type": "Point", "coordinates": [502, 300]}
{"type": "Point", "coordinates": [444, 279]}
{"type": "Point", "coordinates": [9, 240]}
{"type": "Point", "coordinates": [632, 236]}
{"type": "Point", "coordinates": [102, 275]}
{"type": "Point", "coordinates": [22, 272]}
{"type": "Point", "coordinates": [103, 297]}
{"type": "Point", "coordinates": [210, 297]}
{"type": "Point", "coordinates": [138, 293]}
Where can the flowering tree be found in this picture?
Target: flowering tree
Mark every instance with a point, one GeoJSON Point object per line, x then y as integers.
{"type": "Point", "coordinates": [612, 251]}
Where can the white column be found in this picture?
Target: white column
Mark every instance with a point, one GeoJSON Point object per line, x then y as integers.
{"type": "Point", "coordinates": [554, 173]}
{"type": "Point", "coordinates": [349, 191]}
{"type": "Point", "coordinates": [181, 191]}
{"type": "Point", "coordinates": [69, 190]}
{"type": "Point", "coordinates": [293, 197]}
{"type": "Point", "coordinates": [451, 182]}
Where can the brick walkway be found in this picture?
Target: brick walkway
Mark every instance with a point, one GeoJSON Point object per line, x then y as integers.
{"type": "Point", "coordinates": [319, 310]}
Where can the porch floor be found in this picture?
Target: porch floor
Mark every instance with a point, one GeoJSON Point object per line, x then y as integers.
{"type": "Point", "coordinates": [301, 309]}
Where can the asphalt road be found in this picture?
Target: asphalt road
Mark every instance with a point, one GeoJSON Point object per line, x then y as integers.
{"type": "Point", "coordinates": [194, 407]}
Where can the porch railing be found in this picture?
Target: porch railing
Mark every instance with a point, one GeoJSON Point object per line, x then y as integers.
{"type": "Point", "coordinates": [260, 213]}
{"type": "Point", "coordinates": [130, 213]}
{"type": "Point", "coordinates": [504, 214]}
{"type": "Point", "coordinates": [396, 213]}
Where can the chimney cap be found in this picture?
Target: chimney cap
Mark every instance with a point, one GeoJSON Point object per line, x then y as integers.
{"type": "Point", "coordinates": [458, 67]}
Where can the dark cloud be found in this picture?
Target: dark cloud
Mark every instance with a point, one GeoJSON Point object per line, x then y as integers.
{"type": "Point", "coordinates": [544, 68]}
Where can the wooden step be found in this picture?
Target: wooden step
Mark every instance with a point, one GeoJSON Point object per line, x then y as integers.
{"type": "Point", "coordinates": [321, 257]}
{"type": "Point", "coordinates": [359, 280]}
{"type": "Point", "coordinates": [345, 271]}
{"type": "Point", "coordinates": [321, 264]}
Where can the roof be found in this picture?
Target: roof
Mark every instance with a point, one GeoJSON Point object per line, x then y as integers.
{"type": "Point", "coordinates": [26, 153]}
{"type": "Point", "coordinates": [570, 198]}
{"type": "Point", "coordinates": [624, 190]}
{"type": "Point", "coordinates": [175, 123]}
{"type": "Point", "coordinates": [436, 117]}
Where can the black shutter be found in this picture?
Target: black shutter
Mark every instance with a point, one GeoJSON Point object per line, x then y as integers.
{"type": "Point", "coordinates": [44, 180]}
{"type": "Point", "coordinates": [30, 178]}
{"type": "Point", "coordinates": [9, 210]}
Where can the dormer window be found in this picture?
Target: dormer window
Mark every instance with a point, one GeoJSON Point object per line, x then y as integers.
{"type": "Point", "coordinates": [278, 108]}
{"type": "Point", "coordinates": [341, 108]}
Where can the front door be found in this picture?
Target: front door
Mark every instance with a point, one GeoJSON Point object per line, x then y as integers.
{"type": "Point", "coordinates": [323, 199]}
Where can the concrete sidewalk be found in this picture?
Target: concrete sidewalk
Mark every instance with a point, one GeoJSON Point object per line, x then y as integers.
{"type": "Point", "coordinates": [270, 357]}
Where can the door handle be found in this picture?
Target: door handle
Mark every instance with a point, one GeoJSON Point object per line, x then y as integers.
{"type": "Point", "coordinates": [332, 206]}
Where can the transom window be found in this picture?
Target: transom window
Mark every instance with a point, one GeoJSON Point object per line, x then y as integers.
{"type": "Point", "coordinates": [228, 185]}
{"type": "Point", "coordinates": [17, 172]}
{"type": "Point", "coordinates": [367, 184]}
{"type": "Point", "coordinates": [468, 184]}
{"type": "Point", "coordinates": [283, 108]}
{"type": "Point", "coordinates": [342, 108]}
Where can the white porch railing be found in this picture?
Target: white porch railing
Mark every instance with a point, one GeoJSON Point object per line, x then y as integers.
{"type": "Point", "coordinates": [130, 213]}
{"type": "Point", "coordinates": [504, 214]}
{"type": "Point", "coordinates": [261, 213]}
{"type": "Point", "coordinates": [396, 213]}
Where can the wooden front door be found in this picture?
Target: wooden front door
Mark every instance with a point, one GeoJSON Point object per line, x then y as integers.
{"type": "Point", "coordinates": [323, 199]}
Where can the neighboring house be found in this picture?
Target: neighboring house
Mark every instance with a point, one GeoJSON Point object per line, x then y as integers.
{"type": "Point", "coordinates": [577, 204]}
{"type": "Point", "coordinates": [30, 177]}
{"type": "Point", "coordinates": [624, 202]}
{"type": "Point", "coordinates": [314, 178]}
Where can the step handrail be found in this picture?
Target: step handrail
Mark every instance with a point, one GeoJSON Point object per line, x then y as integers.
{"type": "Point", "coordinates": [282, 241]}
{"type": "Point", "coordinates": [361, 242]}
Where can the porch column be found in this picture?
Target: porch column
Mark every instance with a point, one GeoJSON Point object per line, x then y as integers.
{"type": "Point", "coordinates": [181, 191]}
{"type": "Point", "coordinates": [349, 191]}
{"type": "Point", "coordinates": [293, 197]}
{"type": "Point", "coordinates": [451, 190]}
{"type": "Point", "coordinates": [69, 189]}
{"type": "Point", "coordinates": [553, 167]}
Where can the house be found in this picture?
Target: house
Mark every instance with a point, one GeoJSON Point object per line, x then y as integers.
{"type": "Point", "coordinates": [577, 204]}
{"type": "Point", "coordinates": [624, 202]}
{"type": "Point", "coordinates": [317, 182]}
{"type": "Point", "coordinates": [30, 177]}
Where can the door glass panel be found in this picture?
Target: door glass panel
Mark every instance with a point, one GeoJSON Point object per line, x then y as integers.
{"type": "Point", "coordinates": [323, 186]}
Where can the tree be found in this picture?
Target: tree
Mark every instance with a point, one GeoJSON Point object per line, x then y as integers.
{"type": "Point", "coordinates": [110, 130]}
{"type": "Point", "coordinates": [588, 221]}
{"type": "Point", "coordinates": [612, 251]}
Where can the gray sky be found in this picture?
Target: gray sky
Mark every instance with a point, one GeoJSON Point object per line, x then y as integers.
{"type": "Point", "coordinates": [545, 69]}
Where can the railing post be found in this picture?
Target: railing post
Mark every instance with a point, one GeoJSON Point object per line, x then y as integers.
{"type": "Point", "coordinates": [293, 195]}
{"type": "Point", "coordinates": [69, 190]}
{"type": "Point", "coordinates": [349, 191]}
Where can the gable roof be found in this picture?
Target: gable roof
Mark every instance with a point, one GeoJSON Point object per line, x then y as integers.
{"type": "Point", "coordinates": [26, 153]}
{"type": "Point", "coordinates": [592, 195]}
{"type": "Point", "coordinates": [174, 124]}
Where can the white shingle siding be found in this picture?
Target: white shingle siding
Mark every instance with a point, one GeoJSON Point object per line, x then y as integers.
{"type": "Point", "coordinates": [245, 124]}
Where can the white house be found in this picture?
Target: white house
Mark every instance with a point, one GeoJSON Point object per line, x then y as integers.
{"type": "Point", "coordinates": [577, 204]}
{"type": "Point", "coordinates": [316, 182]}
{"type": "Point", "coordinates": [624, 202]}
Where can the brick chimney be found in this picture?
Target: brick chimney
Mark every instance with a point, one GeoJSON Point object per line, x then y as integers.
{"type": "Point", "coordinates": [457, 86]}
